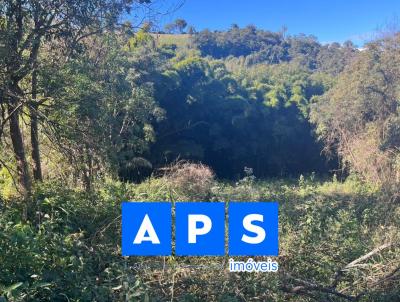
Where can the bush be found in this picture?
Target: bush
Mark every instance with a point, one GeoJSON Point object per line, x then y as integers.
{"type": "Point", "coordinates": [69, 250]}
{"type": "Point", "coordinates": [190, 181]}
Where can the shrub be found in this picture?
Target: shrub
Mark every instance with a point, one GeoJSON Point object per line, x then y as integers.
{"type": "Point", "coordinates": [190, 181]}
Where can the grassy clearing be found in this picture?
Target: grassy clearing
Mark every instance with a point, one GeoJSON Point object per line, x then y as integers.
{"type": "Point", "coordinates": [70, 248]}
{"type": "Point", "coordinates": [180, 40]}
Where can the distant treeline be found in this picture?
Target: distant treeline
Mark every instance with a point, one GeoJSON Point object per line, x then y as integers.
{"type": "Point", "coordinates": [261, 46]}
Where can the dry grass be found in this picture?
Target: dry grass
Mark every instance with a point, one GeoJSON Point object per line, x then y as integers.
{"type": "Point", "coordinates": [191, 180]}
{"type": "Point", "coordinates": [180, 40]}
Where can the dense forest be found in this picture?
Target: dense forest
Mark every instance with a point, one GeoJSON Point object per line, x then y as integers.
{"type": "Point", "coordinates": [94, 111]}
{"type": "Point", "coordinates": [122, 104]}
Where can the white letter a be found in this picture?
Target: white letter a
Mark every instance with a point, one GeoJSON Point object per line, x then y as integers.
{"type": "Point", "coordinates": [146, 226]}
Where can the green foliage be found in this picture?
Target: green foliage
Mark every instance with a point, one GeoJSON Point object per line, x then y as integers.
{"type": "Point", "coordinates": [62, 252]}
{"type": "Point", "coordinates": [122, 105]}
{"type": "Point", "coordinates": [125, 107]}
{"type": "Point", "coordinates": [110, 108]}
{"type": "Point", "coordinates": [141, 38]}
{"type": "Point", "coordinates": [359, 117]}
{"type": "Point", "coordinates": [257, 46]}
{"type": "Point", "coordinates": [6, 184]}
{"type": "Point", "coordinates": [242, 42]}
{"type": "Point", "coordinates": [178, 26]}
{"type": "Point", "coordinates": [69, 250]}
{"type": "Point", "coordinates": [231, 119]}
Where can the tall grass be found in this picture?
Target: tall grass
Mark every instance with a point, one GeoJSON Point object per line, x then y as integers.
{"type": "Point", "coordinates": [69, 250]}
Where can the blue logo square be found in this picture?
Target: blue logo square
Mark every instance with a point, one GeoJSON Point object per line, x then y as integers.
{"type": "Point", "coordinates": [146, 229]}
{"type": "Point", "coordinates": [200, 229]}
{"type": "Point", "coordinates": [253, 228]}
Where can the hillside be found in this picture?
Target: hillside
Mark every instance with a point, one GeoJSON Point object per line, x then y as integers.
{"type": "Point", "coordinates": [97, 115]}
{"type": "Point", "coordinates": [180, 40]}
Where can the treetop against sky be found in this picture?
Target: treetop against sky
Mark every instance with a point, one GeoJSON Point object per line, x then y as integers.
{"type": "Point", "coordinates": [329, 21]}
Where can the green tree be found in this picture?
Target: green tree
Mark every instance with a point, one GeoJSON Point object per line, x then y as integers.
{"type": "Point", "coordinates": [110, 107]}
{"type": "Point", "coordinates": [181, 24]}
{"type": "Point", "coordinates": [25, 26]}
{"type": "Point", "coordinates": [359, 116]}
{"type": "Point", "coordinates": [178, 26]}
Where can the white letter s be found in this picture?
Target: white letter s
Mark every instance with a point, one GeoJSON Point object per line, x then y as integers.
{"type": "Point", "coordinates": [247, 220]}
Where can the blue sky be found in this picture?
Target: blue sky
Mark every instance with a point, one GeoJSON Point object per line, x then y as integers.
{"type": "Point", "coordinates": [328, 20]}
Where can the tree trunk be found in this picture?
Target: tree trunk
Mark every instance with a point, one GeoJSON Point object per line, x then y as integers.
{"type": "Point", "coordinates": [37, 168]}
{"type": "Point", "coordinates": [24, 178]}
{"type": "Point", "coordinates": [88, 174]}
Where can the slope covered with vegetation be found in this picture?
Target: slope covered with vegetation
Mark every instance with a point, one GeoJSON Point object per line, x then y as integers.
{"type": "Point", "coordinates": [93, 113]}
{"type": "Point", "coordinates": [71, 250]}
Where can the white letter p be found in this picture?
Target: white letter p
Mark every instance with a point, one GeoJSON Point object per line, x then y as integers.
{"type": "Point", "coordinates": [193, 231]}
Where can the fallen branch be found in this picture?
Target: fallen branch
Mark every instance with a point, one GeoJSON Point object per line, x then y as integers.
{"type": "Point", "coordinates": [383, 279]}
{"type": "Point", "coordinates": [305, 287]}
{"type": "Point", "coordinates": [367, 256]}
{"type": "Point", "coordinates": [357, 261]}
{"type": "Point", "coordinates": [311, 286]}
